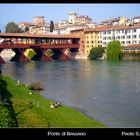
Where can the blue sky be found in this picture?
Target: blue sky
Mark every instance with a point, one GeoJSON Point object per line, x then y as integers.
{"type": "Point", "coordinates": [55, 12]}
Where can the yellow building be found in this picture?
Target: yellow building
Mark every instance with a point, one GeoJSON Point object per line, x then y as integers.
{"type": "Point", "coordinates": [91, 40]}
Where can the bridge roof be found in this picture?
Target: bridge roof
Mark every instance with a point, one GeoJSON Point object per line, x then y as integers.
{"type": "Point", "coordinates": [36, 35]}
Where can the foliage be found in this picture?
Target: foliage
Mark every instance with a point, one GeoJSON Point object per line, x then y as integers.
{"type": "Point", "coordinates": [5, 118]}
{"type": "Point", "coordinates": [96, 53]}
{"type": "Point", "coordinates": [114, 51]}
{"type": "Point", "coordinates": [12, 27]}
{"type": "Point", "coordinates": [31, 53]}
{"type": "Point", "coordinates": [49, 52]}
{"type": "Point", "coordinates": [26, 29]}
{"type": "Point", "coordinates": [51, 26]}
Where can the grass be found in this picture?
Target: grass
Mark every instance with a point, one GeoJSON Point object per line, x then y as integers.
{"type": "Point", "coordinates": [33, 111]}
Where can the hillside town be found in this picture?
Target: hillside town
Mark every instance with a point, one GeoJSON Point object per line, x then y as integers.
{"type": "Point", "coordinates": [127, 31]}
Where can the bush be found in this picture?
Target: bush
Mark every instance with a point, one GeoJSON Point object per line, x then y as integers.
{"type": "Point", "coordinates": [96, 53]}
{"type": "Point", "coordinates": [5, 117]}
{"type": "Point", "coordinates": [114, 51]}
{"type": "Point", "coordinates": [49, 52]}
{"type": "Point", "coordinates": [31, 53]}
{"type": "Point", "coordinates": [35, 86]}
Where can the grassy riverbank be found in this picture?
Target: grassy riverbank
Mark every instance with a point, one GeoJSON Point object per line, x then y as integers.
{"type": "Point", "coordinates": [33, 110]}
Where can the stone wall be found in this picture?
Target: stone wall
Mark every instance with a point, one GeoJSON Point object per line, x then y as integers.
{"type": "Point", "coordinates": [130, 56]}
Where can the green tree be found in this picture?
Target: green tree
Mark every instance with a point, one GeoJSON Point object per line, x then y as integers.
{"type": "Point", "coordinates": [12, 27]}
{"type": "Point", "coordinates": [31, 53]}
{"type": "Point", "coordinates": [51, 26]}
{"type": "Point", "coordinates": [114, 51]}
{"type": "Point", "coordinates": [96, 53]}
{"type": "Point", "coordinates": [26, 29]}
{"type": "Point", "coordinates": [49, 52]}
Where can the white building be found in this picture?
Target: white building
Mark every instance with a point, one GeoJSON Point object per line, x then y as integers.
{"type": "Point", "coordinates": [136, 20]}
{"type": "Point", "coordinates": [125, 34]}
{"type": "Point", "coordinates": [68, 28]}
{"type": "Point", "coordinates": [75, 19]}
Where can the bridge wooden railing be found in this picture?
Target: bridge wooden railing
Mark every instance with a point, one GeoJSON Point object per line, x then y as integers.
{"type": "Point", "coordinates": [10, 46]}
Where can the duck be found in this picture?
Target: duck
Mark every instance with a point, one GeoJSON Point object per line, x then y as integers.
{"type": "Point", "coordinates": [58, 103]}
{"type": "Point", "coordinates": [52, 105]}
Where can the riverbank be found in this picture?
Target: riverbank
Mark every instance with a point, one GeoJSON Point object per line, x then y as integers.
{"type": "Point", "coordinates": [33, 110]}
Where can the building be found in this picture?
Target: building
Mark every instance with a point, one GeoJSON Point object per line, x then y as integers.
{"type": "Point", "coordinates": [38, 20]}
{"type": "Point", "coordinates": [75, 19]}
{"type": "Point", "coordinates": [101, 36]}
{"type": "Point", "coordinates": [23, 25]}
{"type": "Point", "coordinates": [38, 30]}
{"type": "Point", "coordinates": [115, 21]}
{"type": "Point", "coordinates": [68, 28]}
{"type": "Point", "coordinates": [88, 40]}
{"type": "Point", "coordinates": [91, 40]}
{"type": "Point", "coordinates": [125, 34]}
{"type": "Point", "coordinates": [136, 20]}
{"type": "Point", "coordinates": [37, 26]}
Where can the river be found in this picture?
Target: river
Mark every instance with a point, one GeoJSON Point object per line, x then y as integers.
{"type": "Point", "coordinates": [105, 91]}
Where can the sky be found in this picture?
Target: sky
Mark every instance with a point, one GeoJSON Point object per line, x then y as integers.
{"type": "Point", "coordinates": [97, 12]}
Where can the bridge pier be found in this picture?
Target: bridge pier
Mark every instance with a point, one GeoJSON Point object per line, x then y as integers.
{"type": "Point", "coordinates": [1, 59]}
{"type": "Point", "coordinates": [64, 55]}
{"type": "Point", "coordinates": [40, 55]}
{"type": "Point", "coordinates": [19, 55]}
{"type": "Point", "coordinates": [61, 54]}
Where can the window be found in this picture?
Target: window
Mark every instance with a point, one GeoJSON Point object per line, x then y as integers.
{"type": "Point", "coordinates": [134, 36]}
{"type": "Point", "coordinates": [87, 42]}
{"type": "Point", "coordinates": [122, 37]}
{"type": "Point", "coordinates": [92, 42]}
{"type": "Point", "coordinates": [128, 37]}
{"type": "Point", "coordinates": [128, 31]}
{"type": "Point", "coordinates": [128, 42]}
{"type": "Point", "coordinates": [123, 42]}
{"type": "Point", "coordinates": [134, 30]}
{"type": "Point", "coordinates": [118, 37]}
{"type": "Point", "coordinates": [134, 42]}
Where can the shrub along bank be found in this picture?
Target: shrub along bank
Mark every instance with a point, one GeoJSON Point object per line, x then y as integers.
{"type": "Point", "coordinates": [33, 110]}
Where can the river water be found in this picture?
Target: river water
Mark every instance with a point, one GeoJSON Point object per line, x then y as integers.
{"type": "Point", "coordinates": [105, 91]}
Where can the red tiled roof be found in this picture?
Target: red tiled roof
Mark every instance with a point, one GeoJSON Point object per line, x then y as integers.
{"type": "Point", "coordinates": [27, 23]}
{"type": "Point", "coordinates": [110, 20]}
{"type": "Point", "coordinates": [36, 35]}
{"type": "Point", "coordinates": [121, 27]}
{"type": "Point", "coordinates": [77, 30]}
